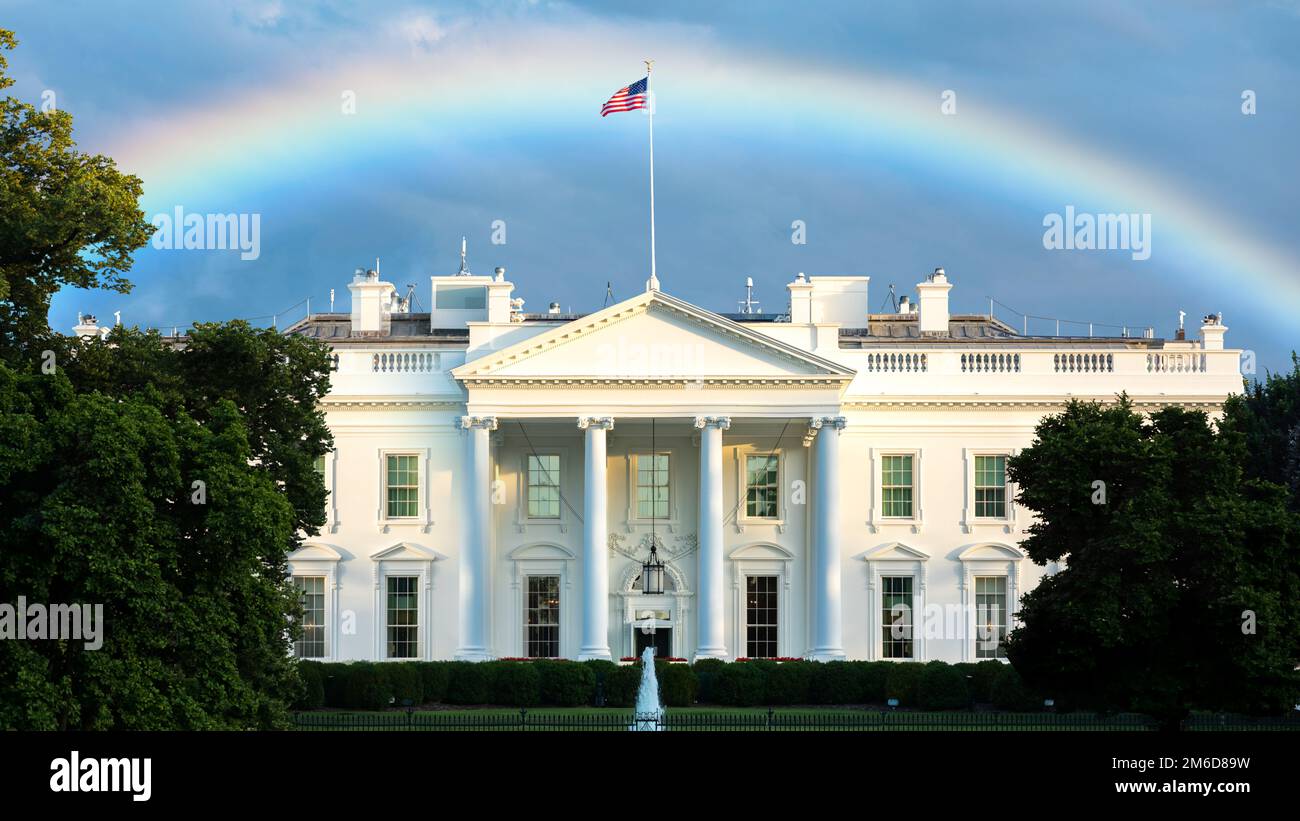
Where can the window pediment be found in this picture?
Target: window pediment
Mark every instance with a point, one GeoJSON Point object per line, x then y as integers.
{"type": "Point", "coordinates": [991, 551]}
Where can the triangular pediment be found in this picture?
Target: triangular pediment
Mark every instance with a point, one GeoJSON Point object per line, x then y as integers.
{"type": "Point", "coordinates": [652, 336]}
{"type": "Point", "coordinates": [407, 551]}
{"type": "Point", "coordinates": [895, 552]}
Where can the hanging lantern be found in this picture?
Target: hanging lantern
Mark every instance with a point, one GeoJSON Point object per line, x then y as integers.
{"type": "Point", "coordinates": [652, 574]}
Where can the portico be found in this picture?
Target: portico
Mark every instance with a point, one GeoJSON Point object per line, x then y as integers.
{"type": "Point", "coordinates": [667, 481]}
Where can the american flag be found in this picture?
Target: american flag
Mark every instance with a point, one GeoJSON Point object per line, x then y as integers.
{"type": "Point", "coordinates": [628, 98]}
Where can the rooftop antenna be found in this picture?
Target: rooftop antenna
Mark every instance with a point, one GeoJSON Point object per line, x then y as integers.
{"type": "Point", "coordinates": [411, 298]}
{"type": "Point", "coordinates": [376, 266]}
{"type": "Point", "coordinates": [609, 295]}
{"type": "Point", "coordinates": [331, 300]}
{"type": "Point", "coordinates": [117, 317]}
{"type": "Point", "coordinates": [747, 305]}
{"type": "Point", "coordinates": [892, 299]}
{"type": "Point", "coordinates": [464, 265]}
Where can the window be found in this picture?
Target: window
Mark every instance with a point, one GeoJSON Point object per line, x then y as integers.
{"type": "Point", "coordinates": [896, 617]}
{"type": "Point", "coordinates": [544, 486]}
{"type": "Point", "coordinates": [990, 617]}
{"type": "Point", "coordinates": [403, 487]}
{"type": "Point", "coordinates": [460, 297]}
{"type": "Point", "coordinates": [403, 617]}
{"type": "Point", "coordinates": [543, 627]}
{"type": "Point", "coordinates": [652, 486]}
{"type": "Point", "coordinates": [761, 486]}
{"type": "Point", "coordinates": [319, 466]}
{"type": "Point", "coordinates": [311, 591]}
{"type": "Point", "coordinates": [896, 486]}
{"type": "Point", "coordinates": [991, 487]}
{"type": "Point", "coordinates": [761, 620]}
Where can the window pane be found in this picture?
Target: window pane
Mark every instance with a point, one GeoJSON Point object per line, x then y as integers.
{"type": "Point", "coordinates": [460, 297]}
{"type": "Point", "coordinates": [896, 617]}
{"type": "Point", "coordinates": [761, 486]}
{"type": "Point", "coordinates": [896, 486]}
{"type": "Point", "coordinates": [761, 617]}
{"type": "Point", "coordinates": [990, 616]}
{"type": "Point", "coordinates": [991, 486]}
{"type": "Point", "coordinates": [403, 617]}
{"type": "Point", "coordinates": [311, 591]}
{"type": "Point", "coordinates": [542, 629]}
{"type": "Point", "coordinates": [652, 500]}
{"type": "Point", "coordinates": [403, 486]}
{"type": "Point", "coordinates": [544, 486]}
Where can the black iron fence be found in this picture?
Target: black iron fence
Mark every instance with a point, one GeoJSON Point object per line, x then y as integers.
{"type": "Point", "coordinates": [771, 720]}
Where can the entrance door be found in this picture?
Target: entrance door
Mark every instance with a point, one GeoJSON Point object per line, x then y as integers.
{"type": "Point", "coordinates": [661, 640]}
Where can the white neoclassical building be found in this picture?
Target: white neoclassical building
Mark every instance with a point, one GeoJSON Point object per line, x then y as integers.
{"type": "Point", "coordinates": [824, 483]}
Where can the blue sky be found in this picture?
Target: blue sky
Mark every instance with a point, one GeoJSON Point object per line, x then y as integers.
{"type": "Point", "coordinates": [472, 112]}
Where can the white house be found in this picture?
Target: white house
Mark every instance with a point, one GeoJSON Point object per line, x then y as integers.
{"type": "Point", "coordinates": [808, 479]}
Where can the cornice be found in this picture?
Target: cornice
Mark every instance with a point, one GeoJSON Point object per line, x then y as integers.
{"type": "Point", "coordinates": [653, 381]}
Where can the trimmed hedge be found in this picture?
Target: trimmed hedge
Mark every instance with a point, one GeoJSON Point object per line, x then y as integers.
{"type": "Point", "coordinates": [942, 687]}
{"type": "Point", "coordinates": [1010, 693]}
{"type": "Point", "coordinates": [676, 684]}
{"type": "Point", "coordinates": [902, 683]}
{"type": "Point", "coordinates": [566, 683]}
{"type": "Point", "coordinates": [560, 683]}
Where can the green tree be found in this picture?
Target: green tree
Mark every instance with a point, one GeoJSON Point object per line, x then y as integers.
{"type": "Point", "coordinates": [1176, 590]}
{"type": "Point", "coordinates": [66, 217]}
{"type": "Point", "coordinates": [99, 504]}
{"type": "Point", "coordinates": [166, 482]}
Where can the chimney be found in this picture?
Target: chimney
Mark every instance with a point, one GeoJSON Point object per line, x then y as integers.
{"type": "Point", "coordinates": [1212, 331]}
{"type": "Point", "coordinates": [904, 305]}
{"type": "Point", "coordinates": [933, 301]}
{"type": "Point", "coordinates": [554, 308]}
{"type": "Point", "coordinates": [800, 299]}
{"type": "Point", "coordinates": [372, 301]}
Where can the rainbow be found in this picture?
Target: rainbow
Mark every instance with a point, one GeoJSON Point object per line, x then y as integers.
{"type": "Point", "coordinates": [553, 79]}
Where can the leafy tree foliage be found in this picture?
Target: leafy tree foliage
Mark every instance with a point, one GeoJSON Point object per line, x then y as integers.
{"type": "Point", "coordinates": [1178, 591]}
{"type": "Point", "coordinates": [66, 217]}
{"type": "Point", "coordinates": [98, 504]}
{"type": "Point", "coordinates": [166, 482]}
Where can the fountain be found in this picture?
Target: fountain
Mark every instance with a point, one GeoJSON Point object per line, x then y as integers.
{"type": "Point", "coordinates": [649, 714]}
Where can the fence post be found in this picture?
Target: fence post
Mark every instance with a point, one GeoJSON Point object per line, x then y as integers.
{"type": "Point", "coordinates": [771, 714]}
{"type": "Point", "coordinates": [523, 717]}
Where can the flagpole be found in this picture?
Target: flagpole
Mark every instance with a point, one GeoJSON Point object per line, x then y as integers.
{"type": "Point", "coordinates": [653, 283]}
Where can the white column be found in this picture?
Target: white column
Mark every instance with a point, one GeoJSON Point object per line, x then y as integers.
{"type": "Point", "coordinates": [475, 557]}
{"type": "Point", "coordinates": [712, 643]}
{"type": "Point", "coordinates": [595, 552]}
{"type": "Point", "coordinates": [828, 613]}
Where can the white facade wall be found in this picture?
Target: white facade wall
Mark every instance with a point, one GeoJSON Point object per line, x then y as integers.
{"type": "Point", "coordinates": [534, 380]}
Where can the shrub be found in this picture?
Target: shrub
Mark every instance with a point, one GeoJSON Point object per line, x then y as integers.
{"type": "Point", "coordinates": [836, 682]}
{"type": "Point", "coordinates": [334, 677]}
{"type": "Point", "coordinates": [469, 682]}
{"type": "Point", "coordinates": [979, 678]}
{"type": "Point", "coordinates": [566, 683]}
{"type": "Point", "coordinates": [1010, 693]}
{"type": "Point", "coordinates": [901, 682]}
{"type": "Point", "coordinates": [515, 683]}
{"type": "Point", "coordinates": [434, 677]}
{"type": "Point", "coordinates": [739, 685]}
{"type": "Point", "coordinates": [677, 684]}
{"type": "Point", "coordinates": [601, 674]}
{"type": "Point", "coordinates": [621, 685]}
{"type": "Point", "coordinates": [404, 682]}
{"type": "Point", "coordinates": [790, 682]}
{"type": "Point", "coordinates": [872, 676]}
{"type": "Point", "coordinates": [942, 687]}
{"type": "Point", "coordinates": [312, 674]}
{"type": "Point", "coordinates": [366, 687]}
{"type": "Point", "coordinates": [706, 673]}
